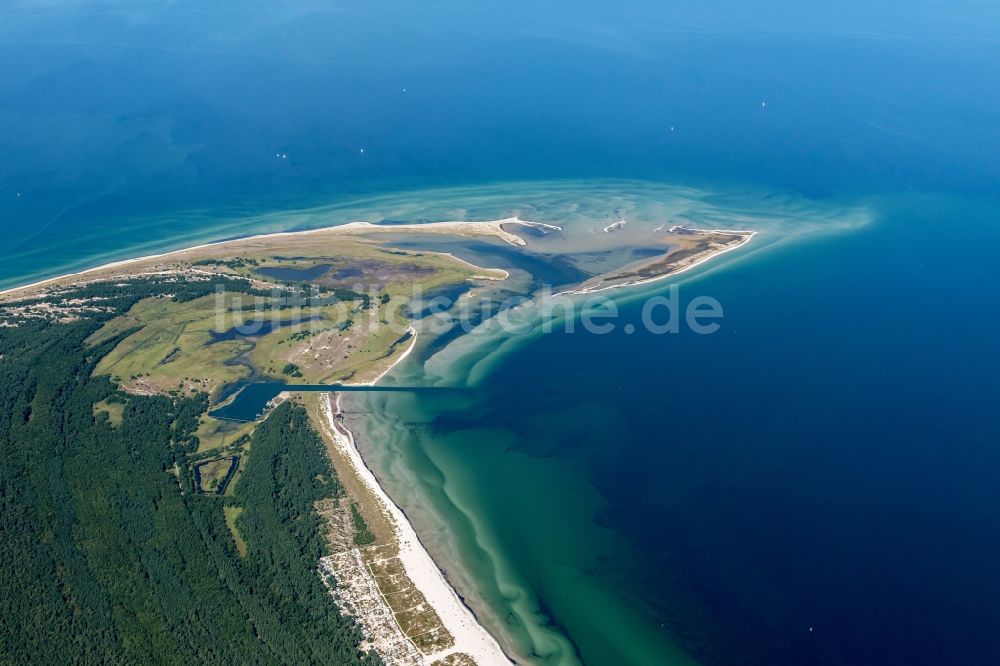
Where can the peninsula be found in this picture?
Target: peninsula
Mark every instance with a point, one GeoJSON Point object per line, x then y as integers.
{"type": "Point", "coordinates": [187, 331]}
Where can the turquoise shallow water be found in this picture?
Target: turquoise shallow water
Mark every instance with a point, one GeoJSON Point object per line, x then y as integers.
{"type": "Point", "coordinates": [813, 484]}
{"type": "Point", "coordinates": [825, 461]}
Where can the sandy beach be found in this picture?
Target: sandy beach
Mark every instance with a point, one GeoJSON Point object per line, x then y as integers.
{"type": "Point", "coordinates": [470, 637]}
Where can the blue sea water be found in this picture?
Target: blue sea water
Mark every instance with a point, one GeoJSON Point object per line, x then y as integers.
{"type": "Point", "coordinates": [814, 484]}
{"type": "Point", "coordinates": [127, 125]}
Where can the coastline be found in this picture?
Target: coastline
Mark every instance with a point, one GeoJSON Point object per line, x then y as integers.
{"type": "Point", "coordinates": [708, 256]}
{"type": "Point", "coordinates": [471, 638]}
{"type": "Point", "coordinates": [399, 359]}
{"type": "Point", "coordinates": [485, 227]}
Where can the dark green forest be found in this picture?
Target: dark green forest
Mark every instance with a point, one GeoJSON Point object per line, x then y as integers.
{"type": "Point", "coordinates": [109, 554]}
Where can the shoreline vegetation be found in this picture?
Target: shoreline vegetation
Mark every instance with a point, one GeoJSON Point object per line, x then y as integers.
{"type": "Point", "coordinates": [384, 578]}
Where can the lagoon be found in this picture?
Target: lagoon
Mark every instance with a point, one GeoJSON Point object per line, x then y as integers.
{"type": "Point", "coordinates": [294, 274]}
